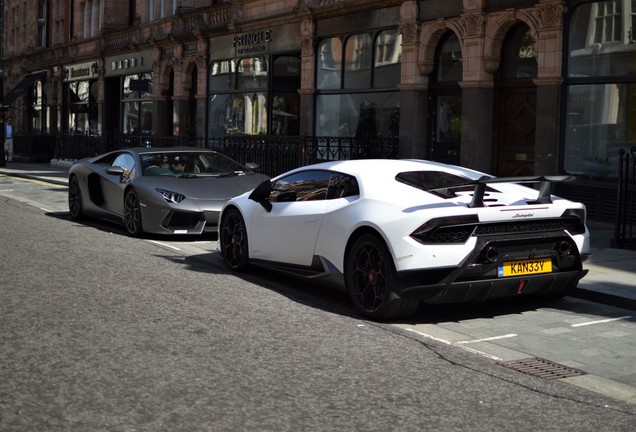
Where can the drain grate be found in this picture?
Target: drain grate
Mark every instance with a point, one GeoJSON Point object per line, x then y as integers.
{"type": "Point", "coordinates": [542, 368]}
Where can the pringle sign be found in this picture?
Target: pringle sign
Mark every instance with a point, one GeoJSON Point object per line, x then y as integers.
{"type": "Point", "coordinates": [253, 42]}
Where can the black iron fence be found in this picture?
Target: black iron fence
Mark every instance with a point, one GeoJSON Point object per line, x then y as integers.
{"type": "Point", "coordinates": [625, 225]}
{"type": "Point", "coordinates": [273, 154]}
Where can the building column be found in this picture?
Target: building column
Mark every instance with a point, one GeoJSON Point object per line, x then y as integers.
{"type": "Point", "coordinates": [477, 126]}
{"type": "Point", "coordinates": [549, 15]}
{"type": "Point", "coordinates": [307, 77]}
{"type": "Point", "coordinates": [413, 86]}
{"type": "Point", "coordinates": [477, 93]}
{"type": "Point", "coordinates": [546, 156]}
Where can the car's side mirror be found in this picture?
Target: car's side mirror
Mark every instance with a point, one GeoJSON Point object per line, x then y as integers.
{"type": "Point", "coordinates": [115, 170]}
{"type": "Point", "coordinates": [260, 194]}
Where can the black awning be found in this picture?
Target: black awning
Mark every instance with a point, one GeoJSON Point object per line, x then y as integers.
{"type": "Point", "coordinates": [26, 82]}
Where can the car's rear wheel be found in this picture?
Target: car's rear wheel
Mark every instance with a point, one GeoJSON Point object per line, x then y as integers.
{"type": "Point", "coordinates": [372, 281]}
{"type": "Point", "coordinates": [233, 240]}
{"type": "Point", "coordinates": [132, 213]}
{"type": "Point", "coordinates": [75, 199]}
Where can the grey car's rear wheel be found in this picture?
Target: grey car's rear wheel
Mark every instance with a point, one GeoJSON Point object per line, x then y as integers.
{"type": "Point", "coordinates": [75, 199]}
{"type": "Point", "coordinates": [372, 281]}
{"type": "Point", "coordinates": [132, 213]}
{"type": "Point", "coordinates": [233, 240]}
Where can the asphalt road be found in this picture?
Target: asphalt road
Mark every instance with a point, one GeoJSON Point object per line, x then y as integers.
{"type": "Point", "coordinates": [103, 332]}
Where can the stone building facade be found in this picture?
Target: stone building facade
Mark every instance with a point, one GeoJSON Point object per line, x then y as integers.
{"type": "Point", "coordinates": [502, 86]}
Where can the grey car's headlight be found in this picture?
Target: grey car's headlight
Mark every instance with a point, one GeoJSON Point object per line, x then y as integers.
{"type": "Point", "coordinates": [171, 197]}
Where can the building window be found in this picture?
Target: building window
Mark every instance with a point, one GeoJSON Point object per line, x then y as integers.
{"type": "Point", "coordinates": [81, 99]}
{"type": "Point", "coordinates": [41, 42]}
{"type": "Point", "coordinates": [39, 109]}
{"type": "Point", "coordinates": [357, 85]}
{"type": "Point", "coordinates": [92, 17]}
{"type": "Point", "coordinates": [137, 106]}
{"type": "Point", "coordinates": [254, 96]}
{"type": "Point", "coordinates": [446, 102]}
{"type": "Point", "coordinates": [600, 117]}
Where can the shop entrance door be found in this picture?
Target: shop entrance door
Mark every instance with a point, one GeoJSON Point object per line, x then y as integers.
{"type": "Point", "coordinates": [515, 117]}
{"type": "Point", "coordinates": [515, 134]}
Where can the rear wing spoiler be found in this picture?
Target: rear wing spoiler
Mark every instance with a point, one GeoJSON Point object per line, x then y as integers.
{"type": "Point", "coordinates": [545, 188]}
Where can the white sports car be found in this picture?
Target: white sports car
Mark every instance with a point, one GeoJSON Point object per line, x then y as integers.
{"type": "Point", "coordinates": [395, 233]}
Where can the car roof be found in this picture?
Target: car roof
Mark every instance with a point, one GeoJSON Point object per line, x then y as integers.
{"type": "Point", "coordinates": [144, 150]}
{"type": "Point", "coordinates": [389, 168]}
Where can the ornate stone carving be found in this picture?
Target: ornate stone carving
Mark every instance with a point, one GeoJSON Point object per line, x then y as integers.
{"type": "Point", "coordinates": [409, 32]}
{"type": "Point", "coordinates": [549, 16]}
{"type": "Point", "coordinates": [307, 44]}
{"type": "Point", "coordinates": [472, 25]}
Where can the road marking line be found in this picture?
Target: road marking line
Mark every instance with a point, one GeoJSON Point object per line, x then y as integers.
{"type": "Point", "coordinates": [511, 335]}
{"type": "Point", "coordinates": [164, 244]}
{"type": "Point", "coordinates": [602, 321]}
{"type": "Point", "coordinates": [429, 336]}
{"type": "Point", "coordinates": [471, 350]}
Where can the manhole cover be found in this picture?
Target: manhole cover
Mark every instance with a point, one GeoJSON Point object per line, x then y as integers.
{"type": "Point", "coordinates": [542, 368]}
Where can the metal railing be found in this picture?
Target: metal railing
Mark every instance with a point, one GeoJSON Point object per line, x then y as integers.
{"type": "Point", "coordinates": [625, 224]}
{"type": "Point", "coordinates": [274, 154]}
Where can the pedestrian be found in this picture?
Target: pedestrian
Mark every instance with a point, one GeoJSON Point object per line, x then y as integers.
{"type": "Point", "coordinates": [8, 140]}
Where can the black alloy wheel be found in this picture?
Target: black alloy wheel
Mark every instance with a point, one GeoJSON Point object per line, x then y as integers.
{"type": "Point", "coordinates": [132, 213]}
{"type": "Point", "coordinates": [233, 240]}
{"type": "Point", "coordinates": [75, 199]}
{"type": "Point", "coordinates": [372, 281]}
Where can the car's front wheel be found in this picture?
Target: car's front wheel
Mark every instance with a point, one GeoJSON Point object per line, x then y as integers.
{"type": "Point", "coordinates": [372, 281]}
{"type": "Point", "coordinates": [75, 199]}
{"type": "Point", "coordinates": [132, 213]}
{"type": "Point", "coordinates": [233, 240]}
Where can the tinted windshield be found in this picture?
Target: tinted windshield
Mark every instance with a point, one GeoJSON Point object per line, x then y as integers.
{"type": "Point", "coordinates": [190, 163]}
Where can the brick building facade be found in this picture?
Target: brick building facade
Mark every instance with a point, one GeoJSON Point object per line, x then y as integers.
{"type": "Point", "coordinates": [512, 87]}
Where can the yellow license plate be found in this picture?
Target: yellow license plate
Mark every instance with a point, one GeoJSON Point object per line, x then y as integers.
{"type": "Point", "coordinates": [525, 267]}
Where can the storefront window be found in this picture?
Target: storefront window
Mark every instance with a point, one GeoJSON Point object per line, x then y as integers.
{"type": "Point", "coordinates": [449, 60]}
{"type": "Point", "coordinates": [136, 104]}
{"type": "Point", "coordinates": [81, 98]}
{"type": "Point", "coordinates": [603, 39]}
{"type": "Point", "coordinates": [372, 63]}
{"type": "Point", "coordinates": [239, 97]}
{"type": "Point", "coordinates": [329, 71]}
{"type": "Point", "coordinates": [446, 102]}
{"type": "Point", "coordinates": [360, 115]}
{"type": "Point", "coordinates": [39, 109]}
{"type": "Point", "coordinates": [601, 88]}
{"type": "Point", "coordinates": [388, 57]}
{"type": "Point", "coordinates": [358, 62]}
{"type": "Point", "coordinates": [601, 120]}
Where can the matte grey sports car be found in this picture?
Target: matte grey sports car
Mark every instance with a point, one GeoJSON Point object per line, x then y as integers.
{"type": "Point", "coordinates": [177, 190]}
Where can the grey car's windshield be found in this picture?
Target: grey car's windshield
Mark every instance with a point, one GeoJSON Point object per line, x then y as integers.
{"type": "Point", "coordinates": [190, 164]}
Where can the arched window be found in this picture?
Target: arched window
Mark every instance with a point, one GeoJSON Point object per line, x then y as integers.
{"type": "Point", "coordinates": [446, 101]}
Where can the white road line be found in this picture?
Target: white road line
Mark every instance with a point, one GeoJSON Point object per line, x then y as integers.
{"type": "Point", "coordinates": [164, 244]}
{"type": "Point", "coordinates": [511, 335]}
{"type": "Point", "coordinates": [602, 321]}
{"type": "Point", "coordinates": [46, 210]}
{"type": "Point", "coordinates": [474, 351]}
{"type": "Point", "coordinates": [429, 336]}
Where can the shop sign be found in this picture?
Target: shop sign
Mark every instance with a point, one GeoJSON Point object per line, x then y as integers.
{"type": "Point", "coordinates": [128, 64]}
{"type": "Point", "coordinates": [79, 72]}
{"type": "Point", "coordinates": [253, 42]}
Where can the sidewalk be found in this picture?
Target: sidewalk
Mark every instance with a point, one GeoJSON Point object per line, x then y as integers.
{"type": "Point", "coordinates": [612, 272]}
